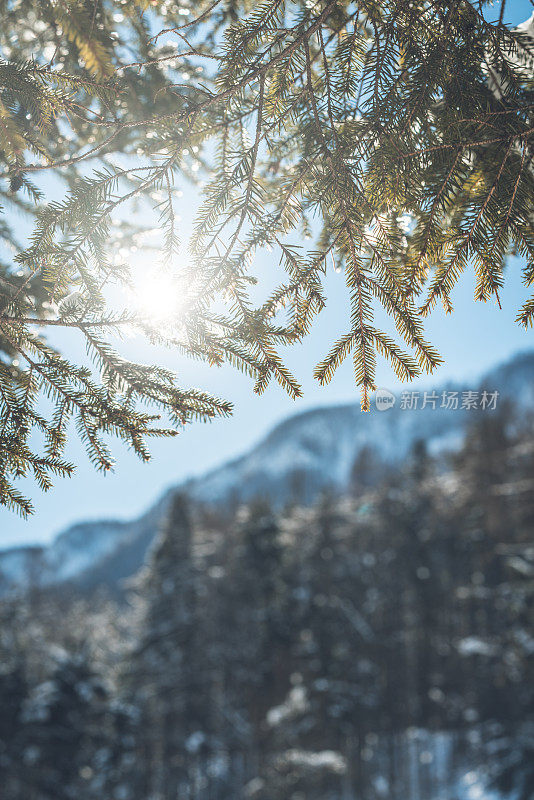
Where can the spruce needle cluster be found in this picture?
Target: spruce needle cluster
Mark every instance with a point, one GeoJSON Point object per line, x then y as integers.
{"type": "Point", "coordinates": [396, 136]}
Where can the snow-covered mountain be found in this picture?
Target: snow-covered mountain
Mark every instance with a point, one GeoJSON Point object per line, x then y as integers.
{"type": "Point", "coordinates": [299, 457]}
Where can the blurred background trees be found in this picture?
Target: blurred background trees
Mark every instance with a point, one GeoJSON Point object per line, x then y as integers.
{"type": "Point", "coordinates": [374, 645]}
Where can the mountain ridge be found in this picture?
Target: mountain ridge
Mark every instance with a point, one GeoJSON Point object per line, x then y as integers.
{"type": "Point", "coordinates": [303, 454]}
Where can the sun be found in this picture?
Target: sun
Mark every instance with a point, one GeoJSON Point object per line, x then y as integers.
{"type": "Point", "coordinates": [157, 298]}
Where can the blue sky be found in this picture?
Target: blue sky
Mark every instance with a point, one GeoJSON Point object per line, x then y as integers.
{"type": "Point", "coordinates": [475, 338]}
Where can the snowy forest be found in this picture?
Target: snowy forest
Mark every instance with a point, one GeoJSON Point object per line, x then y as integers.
{"type": "Point", "coordinates": [189, 184]}
{"type": "Point", "coordinates": [377, 644]}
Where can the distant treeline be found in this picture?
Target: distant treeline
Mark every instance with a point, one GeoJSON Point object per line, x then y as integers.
{"type": "Point", "coordinates": [368, 647]}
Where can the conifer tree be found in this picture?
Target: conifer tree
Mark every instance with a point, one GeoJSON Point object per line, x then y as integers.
{"type": "Point", "coordinates": [259, 602]}
{"type": "Point", "coordinates": [13, 690]}
{"type": "Point", "coordinates": [398, 135]}
{"type": "Point", "coordinates": [166, 673]}
{"type": "Point", "coordinates": [64, 727]}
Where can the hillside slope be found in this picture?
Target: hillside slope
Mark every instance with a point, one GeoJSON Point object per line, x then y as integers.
{"type": "Point", "coordinates": [300, 456]}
